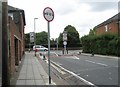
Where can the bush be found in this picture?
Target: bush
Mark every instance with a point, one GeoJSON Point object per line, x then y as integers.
{"type": "Point", "coordinates": [106, 44]}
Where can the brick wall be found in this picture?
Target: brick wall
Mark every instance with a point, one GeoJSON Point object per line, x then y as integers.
{"type": "Point", "coordinates": [16, 35]}
{"type": "Point", "coordinates": [111, 28]}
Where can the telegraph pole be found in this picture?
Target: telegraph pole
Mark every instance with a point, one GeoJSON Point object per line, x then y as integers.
{"type": "Point", "coordinates": [5, 56]}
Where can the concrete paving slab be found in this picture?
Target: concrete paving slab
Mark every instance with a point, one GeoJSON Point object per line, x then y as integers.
{"type": "Point", "coordinates": [32, 72]}
{"type": "Point", "coordinates": [22, 76]}
{"type": "Point", "coordinates": [39, 82]}
{"type": "Point", "coordinates": [20, 82]}
{"type": "Point", "coordinates": [30, 82]}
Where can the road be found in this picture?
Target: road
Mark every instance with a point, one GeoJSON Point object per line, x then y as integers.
{"type": "Point", "coordinates": [97, 70]}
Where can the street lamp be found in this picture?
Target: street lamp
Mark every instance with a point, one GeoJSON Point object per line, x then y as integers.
{"type": "Point", "coordinates": [34, 32]}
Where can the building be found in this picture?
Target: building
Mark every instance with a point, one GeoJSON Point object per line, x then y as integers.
{"type": "Point", "coordinates": [16, 24]}
{"type": "Point", "coordinates": [109, 26]}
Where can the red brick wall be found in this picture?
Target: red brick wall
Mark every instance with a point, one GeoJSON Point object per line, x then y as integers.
{"type": "Point", "coordinates": [112, 28]}
{"type": "Point", "coordinates": [12, 27]}
{"type": "Point", "coordinates": [18, 33]}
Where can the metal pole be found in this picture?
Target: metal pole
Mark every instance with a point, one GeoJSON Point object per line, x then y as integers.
{"type": "Point", "coordinates": [64, 49]}
{"type": "Point", "coordinates": [49, 52]}
{"type": "Point", "coordinates": [5, 52]}
{"type": "Point", "coordinates": [35, 35]}
{"type": "Point", "coordinates": [57, 44]}
{"type": "Point", "coordinates": [34, 32]}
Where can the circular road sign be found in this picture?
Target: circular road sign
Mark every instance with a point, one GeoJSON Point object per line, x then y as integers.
{"type": "Point", "coordinates": [64, 43]}
{"type": "Point", "coordinates": [48, 14]}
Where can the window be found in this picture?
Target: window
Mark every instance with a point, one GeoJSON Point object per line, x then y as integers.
{"type": "Point", "coordinates": [106, 28]}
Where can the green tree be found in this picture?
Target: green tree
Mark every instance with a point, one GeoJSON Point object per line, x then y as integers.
{"type": "Point", "coordinates": [27, 40]}
{"type": "Point", "coordinates": [42, 38]}
{"type": "Point", "coordinates": [60, 40]}
{"type": "Point", "coordinates": [72, 37]}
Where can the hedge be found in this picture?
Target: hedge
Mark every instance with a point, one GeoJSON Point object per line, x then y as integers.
{"type": "Point", "coordinates": [107, 44]}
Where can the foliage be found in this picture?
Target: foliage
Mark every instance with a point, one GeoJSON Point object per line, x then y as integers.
{"type": "Point", "coordinates": [72, 37]}
{"type": "Point", "coordinates": [42, 38]}
{"type": "Point", "coordinates": [27, 40]}
{"type": "Point", "coordinates": [106, 44]}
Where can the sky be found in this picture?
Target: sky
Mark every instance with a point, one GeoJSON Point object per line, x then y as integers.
{"type": "Point", "coordinates": [82, 14]}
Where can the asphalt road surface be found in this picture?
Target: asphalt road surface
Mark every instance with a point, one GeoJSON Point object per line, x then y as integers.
{"type": "Point", "coordinates": [97, 70]}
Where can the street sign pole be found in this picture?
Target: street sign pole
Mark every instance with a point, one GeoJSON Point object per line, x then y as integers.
{"type": "Point", "coordinates": [49, 52]}
{"type": "Point", "coordinates": [65, 41]}
{"type": "Point", "coordinates": [49, 16]}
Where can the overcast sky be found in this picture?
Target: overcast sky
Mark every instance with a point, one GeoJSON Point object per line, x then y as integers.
{"type": "Point", "coordinates": [82, 14]}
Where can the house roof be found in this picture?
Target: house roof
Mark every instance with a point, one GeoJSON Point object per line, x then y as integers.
{"type": "Point", "coordinates": [114, 18]}
{"type": "Point", "coordinates": [13, 9]}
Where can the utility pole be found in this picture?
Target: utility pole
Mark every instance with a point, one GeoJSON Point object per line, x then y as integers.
{"type": "Point", "coordinates": [5, 56]}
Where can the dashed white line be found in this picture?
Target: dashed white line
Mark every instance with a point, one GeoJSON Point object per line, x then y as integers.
{"type": "Point", "coordinates": [96, 63]}
{"type": "Point", "coordinates": [102, 64]}
{"type": "Point", "coordinates": [89, 61]}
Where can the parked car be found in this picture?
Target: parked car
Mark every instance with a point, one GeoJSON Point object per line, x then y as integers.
{"type": "Point", "coordinates": [40, 48]}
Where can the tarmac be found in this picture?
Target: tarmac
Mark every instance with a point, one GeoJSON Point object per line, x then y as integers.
{"type": "Point", "coordinates": [32, 72]}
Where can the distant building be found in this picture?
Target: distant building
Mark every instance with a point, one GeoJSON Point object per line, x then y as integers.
{"type": "Point", "coordinates": [16, 23]}
{"type": "Point", "coordinates": [112, 26]}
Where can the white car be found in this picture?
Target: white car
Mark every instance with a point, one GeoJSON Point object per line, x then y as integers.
{"type": "Point", "coordinates": [40, 48]}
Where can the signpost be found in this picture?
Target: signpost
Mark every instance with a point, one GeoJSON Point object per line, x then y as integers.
{"type": "Point", "coordinates": [64, 41]}
{"type": "Point", "coordinates": [49, 16]}
{"type": "Point", "coordinates": [32, 34]}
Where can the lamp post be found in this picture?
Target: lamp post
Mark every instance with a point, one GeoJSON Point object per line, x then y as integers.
{"type": "Point", "coordinates": [34, 32]}
{"type": "Point", "coordinates": [35, 35]}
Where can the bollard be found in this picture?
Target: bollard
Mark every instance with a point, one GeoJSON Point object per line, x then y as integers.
{"type": "Point", "coordinates": [29, 50]}
{"type": "Point", "coordinates": [40, 54]}
{"type": "Point", "coordinates": [43, 57]}
{"type": "Point", "coordinates": [67, 51]}
{"type": "Point", "coordinates": [62, 51]}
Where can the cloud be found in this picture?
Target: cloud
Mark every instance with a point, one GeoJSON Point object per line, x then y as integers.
{"type": "Point", "coordinates": [65, 7]}
{"type": "Point", "coordinates": [102, 6]}
{"type": "Point", "coordinates": [82, 15]}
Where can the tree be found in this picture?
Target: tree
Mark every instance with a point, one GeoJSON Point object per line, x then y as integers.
{"type": "Point", "coordinates": [60, 40]}
{"type": "Point", "coordinates": [27, 40]}
{"type": "Point", "coordinates": [72, 37]}
{"type": "Point", "coordinates": [42, 38]}
{"type": "Point", "coordinates": [92, 32]}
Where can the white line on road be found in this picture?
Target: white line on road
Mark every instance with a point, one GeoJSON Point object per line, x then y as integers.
{"type": "Point", "coordinates": [89, 61]}
{"type": "Point", "coordinates": [82, 79]}
{"type": "Point", "coordinates": [96, 63]}
{"type": "Point", "coordinates": [72, 57]}
{"type": "Point", "coordinates": [102, 64]}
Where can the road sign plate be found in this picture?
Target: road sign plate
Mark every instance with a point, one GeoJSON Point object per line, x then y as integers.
{"type": "Point", "coordinates": [65, 43]}
{"type": "Point", "coordinates": [48, 14]}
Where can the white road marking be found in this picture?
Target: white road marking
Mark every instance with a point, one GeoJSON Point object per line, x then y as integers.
{"type": "Point", "coordinates": [96, 63]}
{"type": "Point", "coordinates": [58, 69]}
{"type": "Point", "coordinates": [55, 53]}
{"type": "Point", "coordinates": [102, 64]}
{"type": "Point", "coordinates": [85, 81]}
{"type": "Point", "coordinates": [89, 61]}
{"type": "Point", "coordinates": [72, 57]}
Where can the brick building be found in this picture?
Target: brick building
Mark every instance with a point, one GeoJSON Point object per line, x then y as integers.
{"type": "Point", "coordinates": [109, 26]}
{"type": "Point", "coordinates": [16, 23]}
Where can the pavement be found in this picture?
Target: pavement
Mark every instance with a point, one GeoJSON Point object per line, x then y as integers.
{"type": "Point", "coordinates": [32, 72]}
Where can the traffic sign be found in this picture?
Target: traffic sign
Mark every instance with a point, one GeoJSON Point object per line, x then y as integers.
{"type": "Point", "coordinates": [65, 43]}
{"type": "Point", "coordinates": [48, 14]}
{"type": "Point", "coordinates": [32, 37]}
{"type": "Point", "coordinates": [64, 36]}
